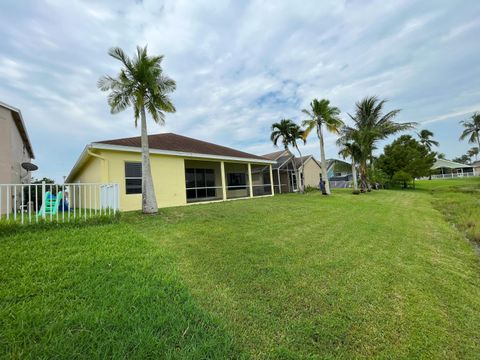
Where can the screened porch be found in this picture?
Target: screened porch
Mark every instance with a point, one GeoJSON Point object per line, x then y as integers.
{"type": "Point", "coordinates": [221, 180]}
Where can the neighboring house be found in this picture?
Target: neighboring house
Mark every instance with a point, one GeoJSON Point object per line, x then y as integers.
{"type": "Point", "coordinates": [443, 168]}
{"type": "Point", "coordinates": [339, 173]}
{"type": "Point", "coordinates": [184, 170]}
{"type": "Point", "coordinates": [286, 168]}
{"type": "Point", "coordinates": [15, 148]}
{"type": "Point", "coordinates": [338, 168]}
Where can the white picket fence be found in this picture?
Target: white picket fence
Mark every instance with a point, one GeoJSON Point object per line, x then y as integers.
{"type": "Point", "coordinates": [35, 203]}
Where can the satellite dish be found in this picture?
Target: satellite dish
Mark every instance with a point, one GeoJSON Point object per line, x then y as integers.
{"type": "Point", "coordinates": [29, 166]}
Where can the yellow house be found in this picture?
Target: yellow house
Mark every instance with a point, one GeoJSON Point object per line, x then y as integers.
{"type": "Point", "coordinates": [184, 170]}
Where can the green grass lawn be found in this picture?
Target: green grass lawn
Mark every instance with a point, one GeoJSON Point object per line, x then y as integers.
{"type": "Point", "coordinates": [382, 275]}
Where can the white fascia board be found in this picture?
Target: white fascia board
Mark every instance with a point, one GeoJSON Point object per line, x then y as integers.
{"type": "Point", "coordinates": [180, 153]}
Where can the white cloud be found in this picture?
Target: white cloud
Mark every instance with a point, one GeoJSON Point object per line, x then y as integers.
{"type": "Point", "coordinates": [239, 66]}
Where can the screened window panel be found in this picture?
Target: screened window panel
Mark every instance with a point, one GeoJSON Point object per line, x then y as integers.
{"type": "Point", "coordinates": [133, 169]}
{"type": "Point", "coordinates": [133, 186]}
{"type": "Point", "coordinates": [200, 177]}
{"type": "Point", "coordinates": [209, 177]}
{"type": "Point", "coordinates": [190, 178]}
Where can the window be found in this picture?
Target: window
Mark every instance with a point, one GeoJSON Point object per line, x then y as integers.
{"type": "Point", "coordinates": [200, 183]}
{"type": "Point", "coordinates": [133, 177]}
{"type": "Point", "coordinates": [237, 181]}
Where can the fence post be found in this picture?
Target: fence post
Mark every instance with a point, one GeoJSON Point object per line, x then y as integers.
{"type": "Point", "coordinates": [43, 199]}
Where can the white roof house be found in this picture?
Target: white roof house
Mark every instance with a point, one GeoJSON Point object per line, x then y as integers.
{"type": "Point", "coordinates": [447, 168]}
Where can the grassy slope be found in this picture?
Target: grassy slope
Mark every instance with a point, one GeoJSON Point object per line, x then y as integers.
{"type": "Point", "coordinates": [459, 201]}
{"type": "Point", "coordinates": [377, 275]}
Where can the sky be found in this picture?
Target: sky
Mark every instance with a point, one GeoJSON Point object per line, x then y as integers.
{"type": "Point", "coordinates": [239, 67]}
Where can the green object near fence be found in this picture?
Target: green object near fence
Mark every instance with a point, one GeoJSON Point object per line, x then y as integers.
{"type": "Point", "coordinates": [50, 203]}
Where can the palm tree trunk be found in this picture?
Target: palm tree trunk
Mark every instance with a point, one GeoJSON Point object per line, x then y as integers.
{"type": "Point", "coordinates": [323, 161]}
{"type": "Point", "coordinates": [294, 169]}
{"type": "Point", "coordinates": [354, 175]}
{"type": "Point", "coordinates": [363, 175]}
{"type": "Point", "coordinates": [478, 140]}
{"type": "Point", "coordinates": [149, 201]}
{"type": "Point", "coordinates": [302, 174]}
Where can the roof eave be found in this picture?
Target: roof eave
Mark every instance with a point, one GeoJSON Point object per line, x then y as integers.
{"type": "Point", "coordinates": [102, 146]}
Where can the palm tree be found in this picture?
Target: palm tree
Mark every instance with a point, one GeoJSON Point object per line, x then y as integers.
{"type": "Point", "coordinates": [425, 137]}
{"type": "Point", "coordinates": [352, 150]}
{"type": "Point", "coordinates": [474, 151]}
{"type": "Point", "coordinates": [370, 125]}
{"type": "Point", "coordinates": [441, 156]}
{"type": "Point", "coordinates": [321, 115]}
{"type": "Point", "coordinates": [298, 134]}
{"type": "Point", "coordinates": [141, 84]}
{"type": "Point", "coordinates": [285, 130]}
{"type": "Point", "coordinates": [472, 129]}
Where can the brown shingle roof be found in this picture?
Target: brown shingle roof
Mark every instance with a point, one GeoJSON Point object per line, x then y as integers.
{"type": "Point", "coordinates": [275, 155]}
{"type": "Point", "coordinates": [174, 142]}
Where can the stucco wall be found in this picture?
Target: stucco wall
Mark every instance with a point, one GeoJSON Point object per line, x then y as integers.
{"type": "Point", "coordinates": [168, 174]}
{"type": "Point", "coordinates": [311, 173]}
{"type": "Point", "coordinates": [12, 154]}
{"type": "Point", "coordinates": [18, 155]}
{"type": "Point", "coordinates": [6, 122]}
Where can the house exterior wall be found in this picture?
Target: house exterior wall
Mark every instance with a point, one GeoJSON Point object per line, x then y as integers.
{"type": "Point", "coordinates": [311, 176]}
{"type": "Point", "coordinates": [12, 153]}
{"type": "Point", "coordinates": [168, 172]}
{"type": "Point", "coordinates": [92, 172]}
{"type": "Point", "coordinates": [6, 122]}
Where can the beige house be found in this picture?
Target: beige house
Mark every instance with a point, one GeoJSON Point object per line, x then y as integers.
{"type": "Point", "coordinates": [15, 148]}
{"type": "Point", "coordinates": [287, 167]}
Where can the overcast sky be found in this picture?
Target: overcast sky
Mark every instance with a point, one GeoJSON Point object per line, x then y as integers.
{"type": "Point", "coordinates": [239, 66]}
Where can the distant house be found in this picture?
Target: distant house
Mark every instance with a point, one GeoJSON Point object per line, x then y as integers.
{"type": "Point", "coordinates": [15, 148]}
{"type": "Point", "coordinates": [286, 167]}
{"type": "Point", "coordinates": [443, 168]}
{"type": "Point", "coordinates": [184, 170]}
{"type": "Point", "coordinates": [339, 173]}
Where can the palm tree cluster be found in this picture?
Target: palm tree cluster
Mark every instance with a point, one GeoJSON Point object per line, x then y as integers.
{"type": "Point", "coordinates": [370, 125]}
{"type": "Point", "coordinates": [357, 141]}
{"type": "Point", "coordinates": [471, 132]}
{"type": "Point", "coordinates": [321, 115]}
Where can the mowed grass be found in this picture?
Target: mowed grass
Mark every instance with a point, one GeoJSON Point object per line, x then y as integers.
{"type": "Point", "coordinates": [380, 275]}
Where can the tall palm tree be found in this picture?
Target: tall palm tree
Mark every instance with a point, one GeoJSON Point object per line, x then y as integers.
{"type": "Point", "coordinates": [352, 150]}
{"type": "Point", "coordinates": [284, 131]}
{"type": "Point", "coordinates": [474, 151]}
{"type": "Point", "coordinates": [370, 125]}
{"type": "Point", "coordinates": [322, 115]}
{"type": "Point", "coordinates": [472, 129]}
{"type": "Point", "coordinates": [141, 84]}
{"type": "Point", "coordinates": [425, 137]}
